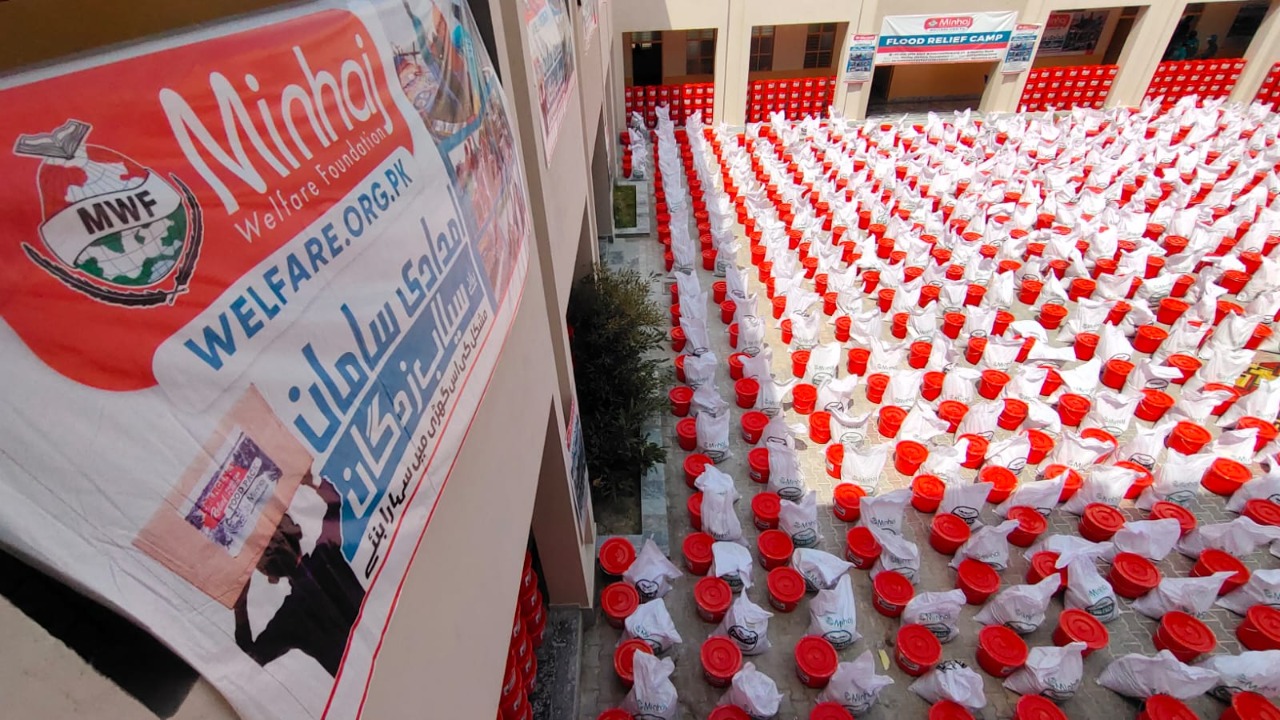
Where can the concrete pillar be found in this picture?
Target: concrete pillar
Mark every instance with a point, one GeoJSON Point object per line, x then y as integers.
{"type": "Point", "coordinates": [1141, 55]}
{"type": "Point", "coordinates": [1263, 52]}
{"type": "Point", "coordinates": [1004, 91]}
{"type": "Point", "coordinates": [851, 100]}
{"type": "Point", "coordinates": [733, 61]}
{"type": "Point", "coordinates": [567, 559]}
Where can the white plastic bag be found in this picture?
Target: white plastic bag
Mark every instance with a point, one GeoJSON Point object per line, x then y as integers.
{"type": "Point", "coordinates": [1010, 453]}
{"type": "Point", "coordinates": [753, 691]}
{"type": "Point", "coordinates": [1055, 672]}
{"type": "Point", "coordinates": [1239, 537]}
{"type": "Point", "coordinates": [651, 572]}
{"type": "Point", "coordinates": [700, 370]}
{"type": "Point", "coordinates": [938, 611]}
{"type": "Point", "coordinates": [1263, 588]}
{"type": "Point", "coordinates": [1088, 591]}
{"type": "Point", "coordinates": [824, 363]}
{"type": "Point", "coordinates": [786, 478]}
{"type": "Point", "coordinates": [855, 685]}
{"type": "Point", "coordinates": [652, 695]}
{"type": "Point", "coordinates": [1177, 479]}
{"type": "Point", "coordinates": [747, 624]}
{"type": "Point", "coordinates": [653, 624]}
{"type": "Point", "coordinates": [1106, 484]}
{"type": "Point", "coordinates": [952, 680]}
{"type": "Point", "coordinates": [1020, 608]}
{"type": "Point", "coordinates": [1139, 676]}
{"type": "Point", "coordinates": [1042, 495]}
{"type": "Point", "coordinates": [731, 562]}
{"type": "Point", "coordinates": [713, 481]}
{"type": "Point", "coordinates": [898, 554]}
{"type": "Point", "coordinates": [800, 520]}
{"type": "Point", "coordinates": [883, 514]}
{"type": "Point", "coordinates": [863, 467]}
{"type": "Point", "coordinates": [1252, 670]}
{"type": "Point", "coordinates": [1266, 487]}
{"type": "Point", "coordinates": [1191, 595]}
{"type": "Point", "coordinates": [988, 544]}
{"type": "Point", "coordinates": [1111, 411]}
{"type": "Point", "coordinates": [1152, 539]}
{"type": "Point", "coordinates": [713, 434]}
{"type": "Point", "coordinates": [719, 519]}
{"type": "Point", "coordinates": [965, 501]}
{"type": "Point", "coordinates": [821, 570]}
{"type": "Point", "coordinates": [833, 615]}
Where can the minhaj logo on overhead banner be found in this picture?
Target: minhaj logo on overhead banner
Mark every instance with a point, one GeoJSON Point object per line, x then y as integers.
{"type": "Point", "coordinates": [955, 22]}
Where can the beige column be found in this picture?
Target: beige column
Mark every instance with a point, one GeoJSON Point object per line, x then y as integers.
{"type": "Point", "coordinates": [733, 61]}
{"type": "Point", "coordinates": [851, 100]}
{"type": "Point", "coordinates": [1263, 52]}
{"type": "Point", "coordinates": [1141, 55]}
{"type": "Point", "coordinates": [1003, 91]}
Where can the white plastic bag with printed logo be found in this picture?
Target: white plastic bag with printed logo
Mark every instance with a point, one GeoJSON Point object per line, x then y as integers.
{"type": "Point", "coordinates": [855, 686]}
{"type": "Point", "coordinates": [804, 330]}
{"type": "Point", "coordinates": [1146, 446]}
{"type": "Point", "coordinates": [1088, 591]}
{"type": "Point", "coordinates": [884, 513]}
{"type": "Point", "coordinates": [965, 501]}
{"type": "Point", "coordinates": [713, 480]}
{"type": "Point", "coordinates": [824, 363]}
{"type": "Point", "coordinates": [1106, 484]}
{"type": "Point", "coordinates": [952, 680]}
{"type": "Point", "coordinates": [1252, 670]}
{"type": "Point", "coordinates": [1266, 487]}
{"type": "Point", "coordinates": [833, 615]}
{"type": "Point", "coordinates": [922, 424]}
{"type": "Point", "coordinates": [1263, 588]}
{"type": "Point", "coordinates": [707, 399]}
{"type": "Point", "coordinates": [958, 384]}
{"type": "Point", "coordinates": [800, 520]}
{"type": "Point", "coordinates": [1192, 595]}
{"type": "Point", "coordinates": [747, 625]}
{"type": "Point", "coordinates": [980, 420]}
{"type": "Point", "coordinates": [1177, 479]}
{"type": "Point", "coordinates": [988, 544]}
{"type": "Point", "coordinates": [821, 570]}
{"type": "Point", "coordinates": [786, 478]}
{"type": "Point", "coordinates": [731, 562]}
{"type": "Point", "coordinates": [863, 467]}
{"type": "Point", "coordinates": [938, 611]}
{"type": "Point", "coordinates": [903, 387]}
{"type": "Point", "coordinates": [1077, 452]}
{"type": "Point", "coordinates": [1042, 495]}
{"type": "Point", "coordinates": [653, 624]}
{"type": "Point", "coordinates": [1020, 608]}
{"type": "Point", "coordinates": [1140, 676]}
{"type": "Point", "coordinates": [1239, 537]}
{"type": "Point", "coordinates": [1055, 672]}
{"type": "Point", "coordinates": [713, 434]}
{"type": "Point", "coordinates": [1152, 539]}
{"type": "Point", "coordinates": [1010, 453]}
{"type": "Point", "coordinates": [898, 554]}
{"type": "Point", "coordinates": [652, 696]}
{"type": "Point", "coordinates": [754, 692]}
{"type": "Point", "coordinates": [750, 334]}
{"type": "Point", "coordinates": [1111, 411]}
{"type": "Point", "coordinates": [719, 519]}
{"type": "Point", "coordinates": [700, 370]}
{"type": "Point", "coordinates": [651, 572]}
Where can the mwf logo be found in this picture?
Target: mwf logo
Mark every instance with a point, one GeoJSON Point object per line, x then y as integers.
{"type": "Point", "coordinates": [112, 229]}
{"type": "Point", "coordinates": [954, 22]}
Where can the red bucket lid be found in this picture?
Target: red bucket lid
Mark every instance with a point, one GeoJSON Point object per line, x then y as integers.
{"type": "Point", "coordinates": [697, 546]}
{"type": "Point", "coordinates": [1187, 631]}
{"type": "Point", "coordinates": [725, 712]}
{"type": "Point", "coordinates": [619, 599]}
{"type": "Point", "coordinates": [1104, 516]}
{"type": "Point", "coordinates": [995, 377]}
{"type": "Point", "coordinates": [1003, 645]}
{"type": "Point", "coordinates": [805, 390]}
{"type": "Point", "coordinates": [713, 594]}
{"type": "Point", "coordinates": [1263, 512]}
{"type": "Point", "coordinates": [758, 458]}
{"type": "Point", "coordinates": [933, 487]}
{"type": "Point", "coordinates": [1191, 432]}
{"type": "Point", "coordinates": [893, 414]}
{"type": "Point", "coordinates": [753, 419]}
{"type": "Point", "coordinates": [909, 449]}
{"type": "Point", "coordinates": [1136, 569]}
{"type": "Point", "coordinates": [616, 555]}
{"type": "Point", "coordinates": [949, 409]}
{"type": "Point", "coordinates": [750, 386]}
{"type": "Point", "coordinates": [918, 644]}
{"type": "Point", "coordinates": [624, 656]}
{"type": "Point", "coordinates": [816, 657]}
{"type": "Point", "coordinates": [766, 505]}
{"type": "Point", "coordinates": [775, 544]}
{"type": "Point", "coordinates": [696, 463]}
{"type": "Point", "coordinates": [1267, 621]}
{"type": "Point", "coordinates": [1040, 440]}
{"type": "Point", "coordinates": [1165, 509]}
{"type": "Point", "coordinates": [1164, 707]}
{"type": "Point", "coordinates": [862, 539]}
{"type": "Point", "coordinates": [1234, 471]}
{"type": "Point", "coordinates": [1037, 707]}
{"type": "Point", "coordinates": [951, 527]}
{"type": "Point", "coordinates": [614, 714]}
{"type": "Point", "coordinates": [979, 575]}
{"type": "Point", "coordinates": [1029, 519]}
{"type": "Point", "coordinates": [949, 710]}
{"type": "Point", "coordinates": [829, 711]}
{"type": "Point", "coordinates": [1080, 626]}
{"type": "Point", "coordinates": [721, 656]}
{"type": "Point", "coordinates": [894, 587]}
{"type": "Point", "coordinates": [786, 584]}
{"type": "Point", "coordinates": [681, 393]}
{"type": "Point", "coordinates": [1076, 403]}
{"type": "Point", "coordinates": [1215, 560]}
{"type": "Point", "coordinates": [1001, 478]}
{"type": "Point", "coordinates": [848, 494]}
{"type": "Point", "coordinates": [1254, 706]}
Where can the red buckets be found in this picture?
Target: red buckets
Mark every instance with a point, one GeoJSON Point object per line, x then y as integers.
{"type": "Point", "coordinates": [765, 507]}
{"type": "Point", "coordinates": [1072, 408]}
{"type": "Point", "coordinates": [775, 548]}
{"type": "Point", "coordinates": [1247, 705]}
{"type": "Point", "coordinates": [835, 460]}
{"type": "Point", "coordinates": [803, 398]}
{"type": "Point", "coordinates": [1013, 415]}
{"type": "Point", "coordinates": [618, 601]}
{"type": "Point", "coordinates": [1076, 625]}
{"type": "Point", "coordinates": [1187, 438]}
{"type": "Point", "coordinates": [926, 493]}
{"type": "Point", "coordinates": [1041, 444]}
{"type": "Point", "coordinates": [1184, 636]}
{"type": "Point", "coordinates": [1000, 651]}
{"type": "Point", "coordinates": [1170, 310]}
{"type": "Point", "coordinates": [875, 387]}
{"type": "Point", "coordinates": [1153, 405]}
{"type": "Point", "coordinates": [816, 661]}
{"type": "Point", "coordinates": [1031, 525]}
{"type": "Point", "coordinates": [1260, 629]}
{"type": "Point", "coordinates": [1147, 339]}
{"type": "Point", "coordinates": [1114, 373]}
{"type": "Point", "coordinates": [978, 580]}
{"type": "Point", "coordinates": [820, 427]}
{"type": "Point", "coordinates": [917, 649]}
{"type": "Point", "coordinates": [1042, 565]}
{"type": "Point", "coordinates": [931, 386]}
{"type": "Point", "coordinates": [1002, 480]}
{"type": "Point", "coordinates": [947, 533]}
{"type": "Point", "coordinates": [847, 502]}
{"type": "Point", "coordinates": [1051, 316]}
{"type": "Point", "coordinates": [786, 588]}
{"type": "Point", "coordinates": [857, 364]}
{"type": "Point", "coordinates": [908, 455]}
{"type": "Point", "coordinates": [753, 424]}
{"type": "Point", "coordinates": [680, 397]}
{"type": "Point", "coordinates": [953, 411]}
{"type": "Point", "coordinates": [799, 362]}
{"type": "Point", "coordinates": [1086, 344]}
{"type": "Point", "coordinates": [892, 592]}
{"type": "Point", "coordinates": [918, 355]}
{"type": "Point", "coordinates": [1133, 576]}
{"type": "Point", "coordinates": [697, 552]}
{"type": "Point", "coordinates": [624, 658]}
{"type": "Point", "coordinates": [694, 506]}
{"type": "Point", "coordinates": [1037, 707]}
{"type": "Point", "coordinates": [721, 660]}
{"type": "Point", "coordinates": [992, 383]}
{"type": "Point", "coordinates": [1225, 476]}
{"type": "Point", "coordinates": [758, 462]}
{"type": "Point", "coordinates": [713, 597]}
{"type": "Point", "coordinates": [976, 452]}
{"type": "Point", "coordinates": [1164, 509]}
{"type": "Point", "coordinates": [1214, 561]}
{"type": "Point", "coordinates": [1100, 522]}
{"type": "Point", "coordinates": [687, 434]}
{"type": "Point", "coordinates": [861, 548]}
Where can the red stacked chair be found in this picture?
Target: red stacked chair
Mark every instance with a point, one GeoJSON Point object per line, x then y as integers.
{"type": "Point", "coordinates": [1067, 87]}
{"type": "Point", "coordinates": [1209, 79]}
{"type": "Point", "coordinates": [527, 631]}
{"type": "Point", "coordinates": [1270, 90]}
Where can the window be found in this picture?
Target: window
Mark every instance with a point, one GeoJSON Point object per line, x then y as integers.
{"type": "Point", "coordinates": [700, 52]}
{"type": "Point", "coordinates": [1247, 21]}
{"type": "Point", "coordinates": [646, 39]}
{"type": "Point", "coordinates": [819, 45]}
{"type": "Point", "coordinates": [762, 47]}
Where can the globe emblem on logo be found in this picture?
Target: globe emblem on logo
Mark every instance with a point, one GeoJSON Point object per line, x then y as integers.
{"type": "Point", "coordinates": [112, 229]}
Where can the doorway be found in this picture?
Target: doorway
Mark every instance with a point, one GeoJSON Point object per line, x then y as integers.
{"type": "Point", "coordinates": [646, 58]}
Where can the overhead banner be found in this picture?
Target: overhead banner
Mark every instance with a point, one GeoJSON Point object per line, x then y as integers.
{"type": "Point", "coordinates": [952, 38]}
{"type": "Point", "coordinates": [861, 62]}
{"type": "Point", "coordinates": [1022, 49]}
{"type": "Point", "coordinates": [551, 41]}
{"type": "Point", "coordinates": [253, 282]}
{"type": "Point", "coordinates": [1073, 33]}
{"type": "Point", "coordinates": [590, 20]}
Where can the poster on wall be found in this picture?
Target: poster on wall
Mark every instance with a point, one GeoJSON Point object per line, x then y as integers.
{"type": "Point", "coordinates": [957, 37]}
{"type": "Point", "coordinates": [1022, 49]}
{"type": "Point", "coordinates": [253, 282]}
{"type": "Point", "coordinates": [551, 45]}
{"type": "Point", "coordinates": [590, 20]}
{"type": "Point", "coordinates": [1073, 33]}
{"type": "Point", "coordinates": [860, 65]}
{"type": "Point", "coordinates": [579, 477]}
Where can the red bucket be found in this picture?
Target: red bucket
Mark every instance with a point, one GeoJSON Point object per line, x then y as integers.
{"type": "Point", "coordinates": [992, 382]}
{"type": "Point", "coordinates": [1266, 430]}
{"type": "Point", "coordinates": [1013, 415]}
{"type": "Point", "coordinates": [753, 424]}
{"type": "Point", "coordinates": [618, 601]}
{"type": "Point", "coordinates": [953, 411]}
{"type": "Point", "coordinates": [1133, 576]}
{"type": "Point", "coordinates": [843, 325]}
{"type": "Point", "coordinates": [861, 548]}
{"type": "Point", "coordinates": [1260, 629]}
{"type": "Point", "coordinates": [799, 362]}
{"type": "Point", "coordinates": [1170, 310]}
{"type": "Point", "coordinates": [1164, 509]}
{"type": "Point", "coordinates": [918, 356]}
{"type": "Point", "coordinates": [1099, 522]}
{"type": "Point", "coordinates": [758, 461]}
{"type": "Point", "coordinates": [1052, 315]}
{"type": "Point", "coordinates": [1214, 561]}
{"type": "Point", "coordinates": [1086, 344]}
{"type": "Point", "coordinates": [1247, 705]}
{"type": "Point", "coordinates": [765, 507]}
{"type": "Point", "coordinates": [697, 552]}
{"type": "Point", "coordinates": [972, 352]}
{"type": "Point", "coordinates": [803, 398]}
{"type": "Point", "coordinates": [1042, 565]}
{"type": "Point", "coordinates": [747, 390]}
{"type": "Point", "coordinates": [1076, 625]}
{"type": "Point", "coordinates": [679, 363]}
{"type": "Point", "coordinates": [1225, 476]}
{"type": "Point", "coordinates": [1031, 524]}
{"type": "Point", "coordinates": [847, 501]}
{"type": "Point", "coordinates": [816, 661]}
{"type": "Point", "coordinates": [926, 493]}
{"type": "Point", "coordinates": [931, 387]}
{"type": "Point", "coordinates": [786, 588]}
{"type": "Point", "coordinates": [1000, 651]}
{"type": "Point", "coordinates": [917, 649]}
{"type": "Point", "coordinates": [1115, 371]}
{"type": "Point", "coordinates": [775, 548]}
{"type": "Point", "coordinates": [1041, 444]}
{"type": "Point", "coordinates": [713, 597]}
{"type": "Point", "coordinates": [721, 660]}
{"type": "Point", "coordinates": [857, 364]}
{"type": "Point", "coordinates": [687, 434]}
{"type": "Point", "coordinates": [1002, 480]}
{"type": "Point", "coordinates": [678, 339]}
{"type": "Point", "coordinates": [949, 710]}
{"type": "Point", "coordinates": [680, 397]}
{"type": "Point", "coordinates": [1081, 287]}
{"type": "Point", "coordinates": [976, 452]}
{"type": "Point", "coordinates": [1153, 405]}
{"type": "Point", "coordinates": [892, 593]}
{"type": "Point", "coordinates": [952, 323]}
{"type": "Point", "coordinates": [1184, 636]}
{"type": "Point", "coordinates": [907, 454]}
{"type": "Point", "coordinates": [820, 427]}
{"type": "Point", "coordinates": [947, 533]}
{"type": "Point", "coordinates": [1187, 438]}
{"type": "Point", "coordinates": [1263, 512]}
{"type": "Point", "coordinates": [1072, 408]}
{"type": "Point", "coordinates": [978, 580]}
{"type": "Point", "coordinates": [727, 310]}
{"type": "Point", "coordinates": [1147, 339]}
{"type": "Point", "coordinates": [694, 507]}
{"type": "Point", "coordinates": [1037, 707]}
{"type": "Point", "coordinates": [835, 460]}
{"type": "Point", "coordinates": [624, 659]}
{"type": "Point", "coordinates": [1030, 291]}
{"type": "Point", "coordinates": [616, 555]}
{"type": "Point", "coordinates": [875, 387]}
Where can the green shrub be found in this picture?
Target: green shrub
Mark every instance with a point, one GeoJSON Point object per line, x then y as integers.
{"type": "Point", "coordinates": [615, 326]}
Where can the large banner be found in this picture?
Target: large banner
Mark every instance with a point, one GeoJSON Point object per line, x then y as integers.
{"type": "Point", "coordinates": [253, 282]}
{"type": "Point", "coordinates": [957, 37]}
{"type": "Point", "coordinates": [1073, 33]}
{"type": "Point", "coordinates": [551, 41]}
